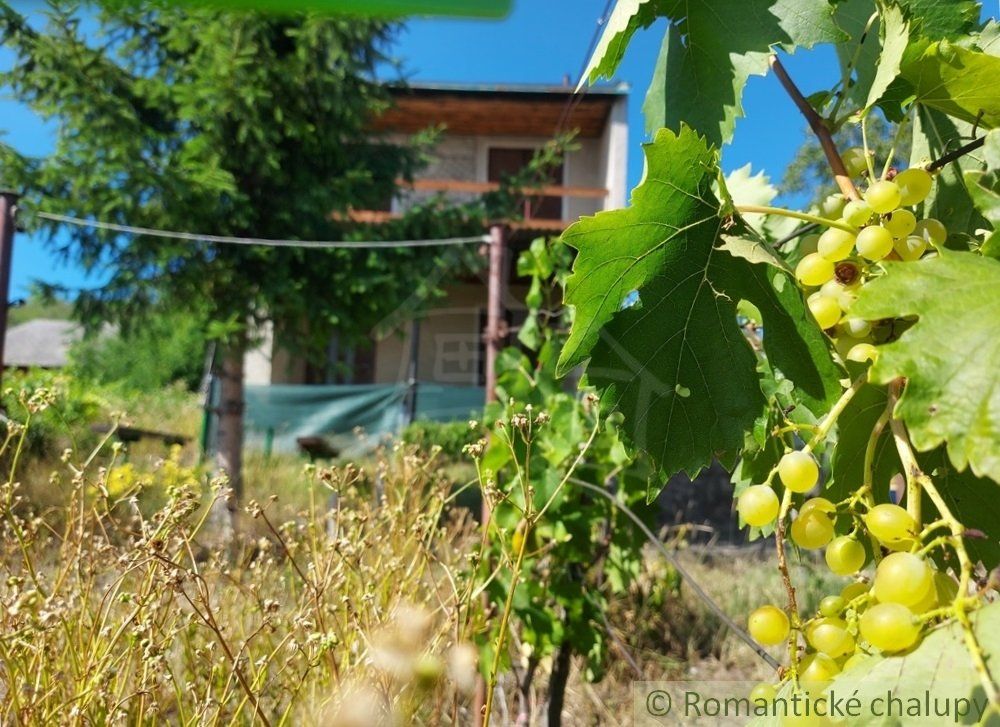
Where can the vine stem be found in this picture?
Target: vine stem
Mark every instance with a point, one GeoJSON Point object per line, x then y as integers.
{"type": "Point", "coordinates": [910, 467]}
{"type": "Point", "coordinates": [835, 411]}
{"type": "Point", "coordinates": [959, 608]}
{"type": "Point", "coordinates": [786, 579]}
{"type": "Point", "coordinates": [956, 154]}
{"type": "Point", "coordinates": [782, 212]}
{"type": "Point", "coordinates": [819, 127]}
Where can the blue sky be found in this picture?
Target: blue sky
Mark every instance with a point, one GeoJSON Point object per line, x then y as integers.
{"type": "Point", "coordinates": [542, 41]}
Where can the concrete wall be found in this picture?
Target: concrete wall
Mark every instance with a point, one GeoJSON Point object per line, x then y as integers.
{"type": "Point", "coordinates": [450, 335]}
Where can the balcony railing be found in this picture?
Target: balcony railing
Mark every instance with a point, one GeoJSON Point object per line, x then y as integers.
{"type": "Point", "coordinates": [463, 186]}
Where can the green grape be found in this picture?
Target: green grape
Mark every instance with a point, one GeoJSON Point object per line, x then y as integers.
{"type": "Point", "coordinates": [890, 523]}
{"type": "Point", "coordinates": [874, 242]}
{"type": "Point", "coordinates": [855, 161]}
{"type": "Point", "coordinates": [758, 505]}
{"type": "Point", "coordinates": [816, 671]}
{"type": "Point", "coordinates": [932, 231]}
{"type": "Point", "coordinates": [857, 213]}
{"type": "Point", "coordinates": [900, 223]}
{"type": "Point", "coordinates": [798, 471]}
{"type": "Point", "coordinates": [853, 590]}
{"type": "Point", "coordinates": [835, 244]}
{"type": "Point", "coordinates": [814, 269]}
{"type": "Point", "coordinates": [825, 310]}
{"type": "Point", "coordinates": [768, 625]}
{"type": "Point", "coordinates": [856, 327]}
{"type": "Point", "coordinates": [845, 295]}
{"type": "Point", "coordinates": [808, 244]}
{"type": "Point", "coordinates": [910, 248]}
{"type": "Point", "coordinates": [914, 186]}
{"type": "Point", "coordinates": [832, 206]}
{"type": "Point", "coordinates": [763, 693]}
{"type": "Point", "coordinates": [883, 197]}
{"type": "Point", "coordinates": [812, 530]}
{"type": "Point", "coordinates": [889, 627]}
{"type": "Point", "coordinates": [832, 606]}
{"type": "Point", "coordinates": [829, 635]}
{"type": "Point", "coordinates": [862, 352]}
{"type": "Point", "coordinates": [845, 556]}
{"type": "Point", "coordinates": [819, 504]}
{"type": "Point", "coordinates": [903, 578]}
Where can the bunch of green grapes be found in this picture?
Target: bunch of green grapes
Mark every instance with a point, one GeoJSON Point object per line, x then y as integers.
{"type": "Point", "coordinates": [839, 261]}
{"type": "Point", "coordinates": [883, 609]}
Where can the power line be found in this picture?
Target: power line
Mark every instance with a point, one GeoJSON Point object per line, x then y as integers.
{"type": "Point", "coordinates": [264, 242]}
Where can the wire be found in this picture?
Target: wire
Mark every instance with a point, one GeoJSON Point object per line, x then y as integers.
{"type": "Point", "coordinates": [226, 240]}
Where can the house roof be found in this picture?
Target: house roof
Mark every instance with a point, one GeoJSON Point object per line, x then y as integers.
{"type": "Point", "coordinates": [42, 343]}
{"type": "Point", "coordinates": [500, 109]}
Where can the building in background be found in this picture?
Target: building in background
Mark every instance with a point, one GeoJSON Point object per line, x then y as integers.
{"type": "Point", "coordinates": [489, 131]}
{"type": "Point", "coordinates": [42, 343]}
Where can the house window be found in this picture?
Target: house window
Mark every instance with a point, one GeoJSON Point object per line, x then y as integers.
{"type": "Point", "coordinates": [343, 364]}
{"type": "Point", "coordinates": [505, 162]}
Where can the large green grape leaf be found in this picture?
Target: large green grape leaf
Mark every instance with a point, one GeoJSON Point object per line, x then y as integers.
{"type": "Point", "coordinates": [627, 17]}
{"type": "Point", "coordinates": [676, 363]}
{"type": "Point", "coordinates": [713, 46]}
{"type": "Point", "coordinates": [984, 190]}
{"type": "Point", "coordinates": [938, 19]}
{"type": "Point", "coordinates": [939, 668]}
{"type": "Point", "coordinates": [875, 63]}
{"type": "Point", "coordinates": [949, 356]}
{"type": "Point", "coordinates": [971, 499]}
{"type": "Point", "coordinates": [958, 81]}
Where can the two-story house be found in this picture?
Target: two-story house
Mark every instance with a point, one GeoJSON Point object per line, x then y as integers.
{"type": "Point", "coordinates": [489, 131]}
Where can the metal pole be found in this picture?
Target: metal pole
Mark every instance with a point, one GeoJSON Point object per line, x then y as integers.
{"type": "Point", "coordinates": [8, 208]}
{"type": "Point", "coordinates": [411, 374]}
{"type": "Point", "coordinates": [494, 306]}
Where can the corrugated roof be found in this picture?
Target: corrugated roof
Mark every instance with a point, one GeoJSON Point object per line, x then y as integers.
{"type": "Point", "coordinates": [42, 343]}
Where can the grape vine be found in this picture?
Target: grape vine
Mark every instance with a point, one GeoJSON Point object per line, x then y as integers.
{"type": "Point", "coordinates": [863, 424]}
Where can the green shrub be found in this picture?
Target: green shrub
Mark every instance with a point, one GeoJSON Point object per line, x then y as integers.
{"type": "Point", "coordinates": [167, 350]}
{"type": "Point", "coordinates": [451, 437]}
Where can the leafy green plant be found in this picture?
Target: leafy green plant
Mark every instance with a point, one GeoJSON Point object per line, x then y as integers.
{"type": "Point", "coordinates": [869, 344]}
{"type": "Point", "coordinates": [449, 437]}
{"type": "Point", "coordinates": [556, 552]}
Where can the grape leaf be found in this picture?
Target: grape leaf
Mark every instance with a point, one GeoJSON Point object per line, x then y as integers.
{"type": "Point", "coordinates": [676, 363]}
{"type": "Point", "coordinates": [627, 17]}
{"type": "Point", "coordinates": [958, 81]}
{"type": "Point", "coordinates": [939, 19]}
{"type": "Point", "coordinates": [938, 669]}
{"type": "Point", "coordinates": [984, 190]}
{"type": "Point", "coordinates": [712, 47]}
{"type": "Point", "coordinates": [877, 63]}
{"type": "Point", "coordinates": [949, 355]}
{"type": "Point", "coordinates": [854, 428]}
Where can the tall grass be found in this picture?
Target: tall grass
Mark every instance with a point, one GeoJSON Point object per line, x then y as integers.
{"type": "Point", "coordinates": [112, 615]}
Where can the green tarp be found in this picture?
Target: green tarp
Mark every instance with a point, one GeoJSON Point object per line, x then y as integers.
{"type": "Point", "coordinates": [277, 416]}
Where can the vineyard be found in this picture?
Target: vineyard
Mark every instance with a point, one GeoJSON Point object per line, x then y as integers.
{"type": "Point", "coordinates": [839, 361]}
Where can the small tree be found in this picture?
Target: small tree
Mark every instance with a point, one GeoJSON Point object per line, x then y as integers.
{"type": "Point", "coordinates": [235, 124]}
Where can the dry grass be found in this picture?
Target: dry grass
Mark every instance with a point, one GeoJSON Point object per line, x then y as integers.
{"type": "Point", "coordinates": [344, 599]}
{"type": "Point", "coordinates": [113, 615]}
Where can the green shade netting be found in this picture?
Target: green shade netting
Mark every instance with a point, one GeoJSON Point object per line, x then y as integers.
{"type": "Point", "coordinates": [277, 416]}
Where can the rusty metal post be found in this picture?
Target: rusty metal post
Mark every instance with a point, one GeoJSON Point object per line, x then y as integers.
{"type": "Point", "coordinates": [494, 306]}
{"type": "Point", "coordinates": [8, 208]}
